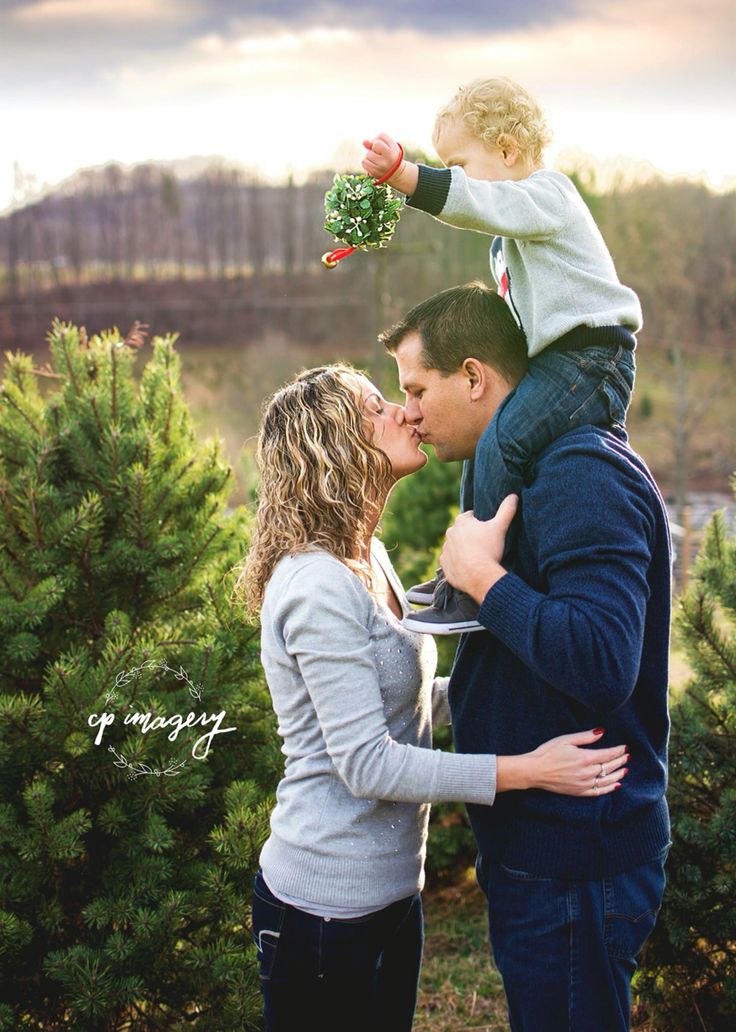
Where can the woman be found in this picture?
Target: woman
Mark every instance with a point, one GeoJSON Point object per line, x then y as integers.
{"type": "Point", "coordinates": [337, 915]}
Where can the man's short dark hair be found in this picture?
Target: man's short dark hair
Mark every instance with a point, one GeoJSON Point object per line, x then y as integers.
{"type": "Point", "coordinates": [470, 321]}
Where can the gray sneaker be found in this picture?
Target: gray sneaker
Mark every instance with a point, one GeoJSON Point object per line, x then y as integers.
{"type": "Point", "coordinates": [434, 592]}
{"type": "Point", "coordinates": [422, 594]}
{"type": "Point", "coordinates": [457, 616]}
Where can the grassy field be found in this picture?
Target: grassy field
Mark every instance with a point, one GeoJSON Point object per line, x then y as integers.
{"type": "Point", "coordinates": [460, 988]}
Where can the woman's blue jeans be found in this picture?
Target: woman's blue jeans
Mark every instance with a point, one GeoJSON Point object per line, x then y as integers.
{"type": "Point", "coordinates": [566, 950]}
{"type": "Point", "coordinates": [318, 973]}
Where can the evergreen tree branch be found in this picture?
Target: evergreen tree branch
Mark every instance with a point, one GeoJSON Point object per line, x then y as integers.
{"type": "Point", "coordinates": [15, 595]}
{"type": "Point", "coordinates": [36, 520]}
{"type": "Point", "coordinates": [93, 406]}
{"type": "Point", "coordinates": [9, 514]}
{"type": "Point", "coordinates": [708, 708]}
{"type": "Point", "coordinates": [207, 657]}
{"type": "Point", "coordinates": [20, 412]}
{"type": "Point", "coordinates": [9, 459]}
{"type": "Point", "coordinates": [151, 1022]}
{"type": "Point", "coordinates": [180, 641]}
{"type": "Point", "coordinates": [705, 633]}
{"type": "Point", "coordinates": [76, 709]}
{"type": "Point", "coordinates": [69, 364]}
{"type": "Point", "coordinates": [189, 570]}
{"type": "Point", "coordinates": [114, 383]}
{"type": "Point", "coordinates": [18, 441]}
{"type": "Point", "coordinates": [46, 373]}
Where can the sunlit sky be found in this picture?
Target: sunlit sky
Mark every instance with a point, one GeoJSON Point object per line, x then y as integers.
{"type": "Point", "coordinates": [285, 87]}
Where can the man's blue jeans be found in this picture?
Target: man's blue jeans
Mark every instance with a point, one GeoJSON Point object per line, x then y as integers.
{"type": "Point", "coordinates": [333, 975]}
{"type": "Point", "coordinates": [566, 949]}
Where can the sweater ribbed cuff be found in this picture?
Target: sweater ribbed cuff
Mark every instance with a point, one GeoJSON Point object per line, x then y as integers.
{"type": "Point", "coordinates": [433, 186]}
{"type": "Point", "coordinates": [467, 777]}
{"type": "Point", "coordinates": [506, 610]}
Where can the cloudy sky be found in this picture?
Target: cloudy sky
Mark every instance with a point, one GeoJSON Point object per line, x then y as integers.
{"type": "Point", "coordinates": [286, 86]}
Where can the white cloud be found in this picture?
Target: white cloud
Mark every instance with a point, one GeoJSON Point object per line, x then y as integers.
{"type": "Point", "coordinates": [99, 11]}
{"type": "Point", "coordinates": [624, 79]}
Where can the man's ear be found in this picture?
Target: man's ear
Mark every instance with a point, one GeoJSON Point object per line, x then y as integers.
{"type": "Point", "coordinates": [477, 377]}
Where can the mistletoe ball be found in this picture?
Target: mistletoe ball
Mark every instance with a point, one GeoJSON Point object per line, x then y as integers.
{"type": "Point", "coordinates": [360, 212]}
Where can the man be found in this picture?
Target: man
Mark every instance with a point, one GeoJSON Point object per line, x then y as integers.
{"type": "Point", "coordinates": [577, 636]}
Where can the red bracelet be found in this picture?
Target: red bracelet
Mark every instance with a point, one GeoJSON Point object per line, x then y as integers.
{"type": "Point", "coordinates": [331, 258]}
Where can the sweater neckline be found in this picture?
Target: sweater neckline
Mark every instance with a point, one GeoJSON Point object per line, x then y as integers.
{"type": "Point", "coordinates": [378, 554]}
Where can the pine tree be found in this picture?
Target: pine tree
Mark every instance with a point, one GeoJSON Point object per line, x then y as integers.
{"type": "Point", "coordinates": [689, 966]}
{"type": "Point", "coordinates": [125, 866]}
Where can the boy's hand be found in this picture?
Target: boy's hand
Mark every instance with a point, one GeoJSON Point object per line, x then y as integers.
{"type": "Point", "coordinates": [473, 550]}
{"type": "Point", "coordinates": [381, 154]}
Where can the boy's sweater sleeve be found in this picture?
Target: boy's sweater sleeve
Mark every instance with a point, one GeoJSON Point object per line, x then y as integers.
{"type": "Point", "coordinates": [325, 615]}
{"type": "Point", "coordinates": [535, 208]}
{"type": "Point", "coordinates": [584, 632]}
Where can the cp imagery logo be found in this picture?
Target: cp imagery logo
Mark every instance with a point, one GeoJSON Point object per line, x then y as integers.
{"type": "Point", "coordinates": [146, 721]}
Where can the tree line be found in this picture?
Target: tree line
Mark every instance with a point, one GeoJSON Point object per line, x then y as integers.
{"type": "Point", "coordinates": [673, 241]}
{"type": "Point", "coordinates": [231, 260]}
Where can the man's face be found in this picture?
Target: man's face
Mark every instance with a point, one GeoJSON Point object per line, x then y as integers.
{"type": "Point", "coordinates": [438, 405]}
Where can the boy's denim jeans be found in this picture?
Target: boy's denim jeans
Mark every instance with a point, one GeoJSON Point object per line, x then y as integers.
{"type": "Point", "coordinates": [566, 949]}
{"type": "Point", "coordinates": [561, 390]}
{"type": "Point", "coordinates": [332, 975]}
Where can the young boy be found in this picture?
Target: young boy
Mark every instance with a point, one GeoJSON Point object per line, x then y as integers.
{"type": "Point", "coordinates": [554, 270]}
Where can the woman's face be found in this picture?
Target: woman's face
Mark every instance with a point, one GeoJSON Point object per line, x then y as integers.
{"type": "Point", "coordinates": [391, 433]}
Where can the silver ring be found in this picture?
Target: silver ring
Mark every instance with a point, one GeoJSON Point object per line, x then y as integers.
{"type": "Point", "coordinates": [603, 772]}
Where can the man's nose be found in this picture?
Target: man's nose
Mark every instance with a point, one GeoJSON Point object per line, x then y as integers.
{"type": "Point", "coordinates": [412, 411]}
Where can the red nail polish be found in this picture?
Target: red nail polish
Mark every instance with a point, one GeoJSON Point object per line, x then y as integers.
{"type": "Point", "coordinates": [625, 771]}
{"type": "Point", "coordinates": [598, 730]}
{"type": "Point", "coordinates": [617, 786]}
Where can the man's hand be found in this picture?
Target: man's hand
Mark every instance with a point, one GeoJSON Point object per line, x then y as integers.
{"type": "Point", "coordinates": [381, 154]}
{"type": "Point", "coordinates": [471, 557]}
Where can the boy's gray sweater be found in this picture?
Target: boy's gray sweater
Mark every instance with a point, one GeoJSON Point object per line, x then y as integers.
{"type": "Point", "coordinates": [354, 694]}
{"type": "Point", "coordinates": [553, 268]}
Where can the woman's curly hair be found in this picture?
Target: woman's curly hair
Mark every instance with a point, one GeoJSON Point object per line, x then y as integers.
{"type": "Point", "coordinates": [495, 110]}
{"type": "Point", "coordinates": [321, 478]}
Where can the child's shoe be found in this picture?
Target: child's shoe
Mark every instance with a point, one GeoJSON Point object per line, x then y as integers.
{"type": "Point", "coordinates": [423, 594]}
{"type": "Point", "coordinates": [452, 612]}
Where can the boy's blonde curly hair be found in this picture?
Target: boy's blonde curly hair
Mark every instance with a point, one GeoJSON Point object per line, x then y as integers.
{"type": "Point", "coordinates": [496, 111]}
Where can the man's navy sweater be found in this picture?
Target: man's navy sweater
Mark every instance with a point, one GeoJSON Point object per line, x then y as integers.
{"type": "Point", "coordinates": [579, 638]}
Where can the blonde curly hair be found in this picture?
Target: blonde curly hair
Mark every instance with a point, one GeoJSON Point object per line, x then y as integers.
{"type": "Point", "coordinates": [322, 480]}
{"type": "Point", "coordinates": [497, 111]}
